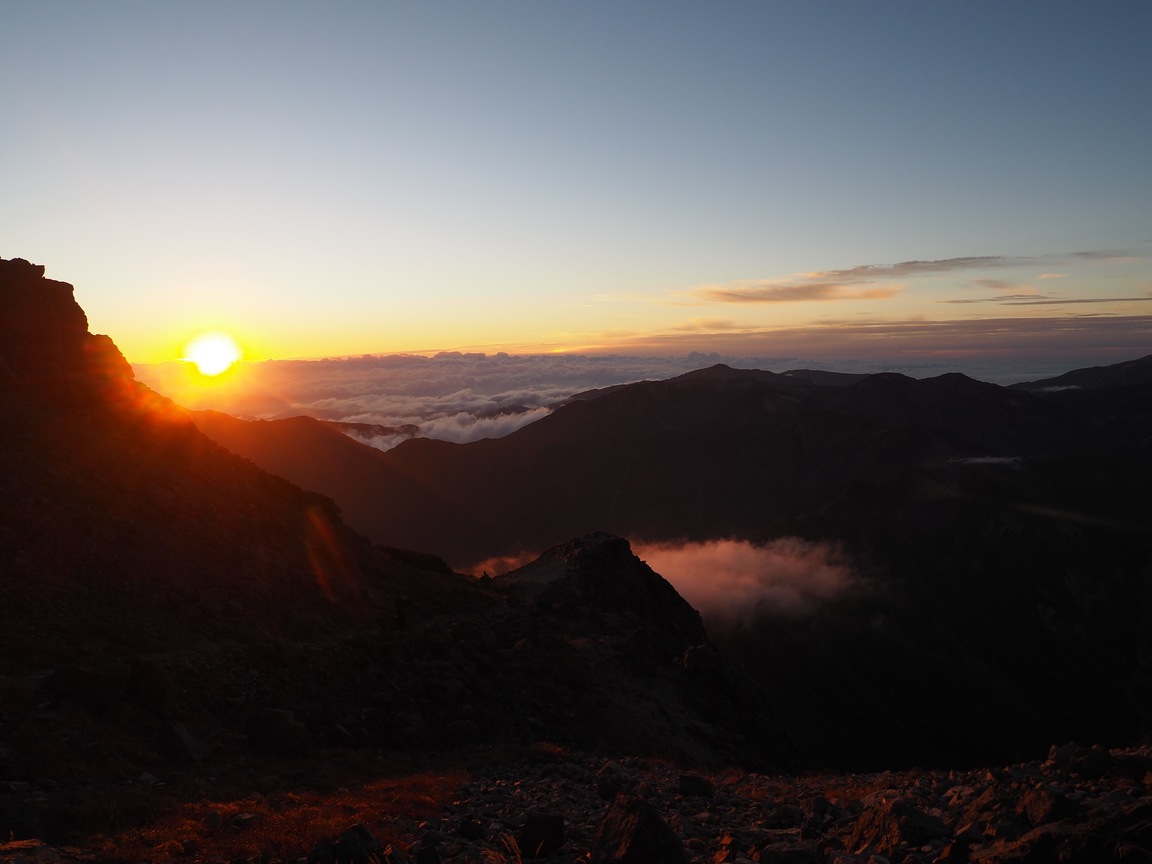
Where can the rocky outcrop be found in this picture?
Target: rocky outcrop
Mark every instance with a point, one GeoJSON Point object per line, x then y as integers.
{"type": "Point", "coordinates": [599, 571]}
{"type": "Point", "coordinates": [45, 346]}
{"type": "Point", "coordinates": [633, 833]}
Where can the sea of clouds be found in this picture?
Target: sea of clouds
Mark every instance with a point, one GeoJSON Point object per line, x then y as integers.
{"type": "Point", "coordinates": [452, 396]}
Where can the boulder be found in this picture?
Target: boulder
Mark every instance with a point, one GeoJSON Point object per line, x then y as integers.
{"type": "Point", "coordinates": [610, 781]}
{"type": "Point", "coordinates": [1091, 762]}
{"type": "Point", "coordinates": [1040, 806]}
{"type": "Point", "coordinates": [891, 824]}
{"type": "Point", "coordinates": [633, 833]}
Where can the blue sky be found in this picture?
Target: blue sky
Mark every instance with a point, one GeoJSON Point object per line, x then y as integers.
{"type": "Point", "coordinates": [813, 179]}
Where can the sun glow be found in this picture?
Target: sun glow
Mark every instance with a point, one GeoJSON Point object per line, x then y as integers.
{"type": "Point", "coordinates": [212, 353]}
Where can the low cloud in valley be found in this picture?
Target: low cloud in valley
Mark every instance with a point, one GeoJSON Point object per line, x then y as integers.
{"type": "Point", "coordinates": [734, 582]}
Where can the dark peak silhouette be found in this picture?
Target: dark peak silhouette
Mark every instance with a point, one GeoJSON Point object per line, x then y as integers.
{"type": "Point", "coordinates": [724, 375]}
{"type": "Point", "coordinates": [45, 346]}
{"type": "Point", "coordinates": [717, 372]}
{"type": "Point", "coordinates": [640, 651]}
{"type": "Point", "coordinates": [600, 571]}
{"type": "Point", "coordinates": [722, 452]}
{"type": "Point", "coordinates": [1125, 374]}
{"type": "Point", "coordinates": [830, 379]}
{"type": "Point", "coordinates": [108, 488]}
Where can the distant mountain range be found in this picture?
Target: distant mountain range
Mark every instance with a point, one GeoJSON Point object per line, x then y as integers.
{"type": "Point", "coordinates": [1003, 534]}
{"type": "Point", "coordinates": [714, 453]}
{"type": "Point", "coordinates": [1130, 373]}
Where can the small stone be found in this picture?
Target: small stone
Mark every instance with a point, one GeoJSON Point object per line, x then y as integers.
{"type": "Point", "coordinates": [242, 820]}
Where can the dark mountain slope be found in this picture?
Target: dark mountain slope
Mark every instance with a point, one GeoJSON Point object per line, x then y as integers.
{"type": "Point", "coordinates": [1002, 538]}
{"type": "Point", "coordinates": [1125, 374]}
{"type": "Point", "coordinates": [715, 453]}
{"type": "Point", "coordinates": [110, 496]}
{"type": "Point", "coordinates": [171, 609]}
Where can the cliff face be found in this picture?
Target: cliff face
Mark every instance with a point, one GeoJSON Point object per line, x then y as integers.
{"type": "Point", "coordinates": [108, 488]}
{"type": "Point", "coordinates": [45, 346]}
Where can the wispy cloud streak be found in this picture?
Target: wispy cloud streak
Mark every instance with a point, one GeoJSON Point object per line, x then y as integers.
{"type": "Point", "coordinates": [1045, 300]}
{"type": "Point", "coordinates": [825, 285]}
{"type": "Point", "coordinates": [769, 292]}
{"type": "Point", "coordinates": [852, 283]}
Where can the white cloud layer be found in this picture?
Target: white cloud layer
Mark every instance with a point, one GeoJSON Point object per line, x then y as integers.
{"type": "Point", "coordinates": [451, 396]}
{"type": "Point", "coordinates": [465, 397]}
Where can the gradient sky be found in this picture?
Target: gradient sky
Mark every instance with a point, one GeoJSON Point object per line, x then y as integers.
{"type": "Point", "coordinates": [819, 179]}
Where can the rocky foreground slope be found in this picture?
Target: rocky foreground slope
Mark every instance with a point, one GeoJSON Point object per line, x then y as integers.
{"type": "Point", "coordinates": [1078, 805]}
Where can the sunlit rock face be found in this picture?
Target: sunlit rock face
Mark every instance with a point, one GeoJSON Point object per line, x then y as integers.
{"type": "Point", "coordinates": [45, 345]}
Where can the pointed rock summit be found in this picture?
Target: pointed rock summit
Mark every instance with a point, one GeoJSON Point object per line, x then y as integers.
{"type": "Point", "coordinates": [600, 571]}
{"type": "Point", "coordinates": [45, 346]}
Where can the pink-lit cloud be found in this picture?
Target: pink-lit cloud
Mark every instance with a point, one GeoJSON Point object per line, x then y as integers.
{"type": "Point", "coordinates": [734, 582]}
{"type": "Point", "coordinates": [886, 279]}
{"type": "Point", "coordinates": [847, 284]}
{"type": "Point", "coordinates": [773, 292]}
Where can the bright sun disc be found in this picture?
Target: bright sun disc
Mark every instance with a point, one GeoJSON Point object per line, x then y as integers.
{"type": "Point", "coordinates": [213, 353]}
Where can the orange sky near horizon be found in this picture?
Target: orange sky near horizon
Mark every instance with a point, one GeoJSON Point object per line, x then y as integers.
{"type": "Point", "coordinates": [921, 308]}
{"type": "Point", "coordinates": [760, 179]}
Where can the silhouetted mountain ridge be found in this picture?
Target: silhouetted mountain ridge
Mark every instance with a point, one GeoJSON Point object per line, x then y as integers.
{"type": "Point", "coordinates": [688, 458]}
{"type": "Point", "coordinates": [1003, 535]}
{"type": "Point", "coordinates": [182, 611]}
{"type": "Point", "coordinates": [1124, 374]}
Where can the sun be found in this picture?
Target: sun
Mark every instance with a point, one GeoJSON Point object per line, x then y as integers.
{"type": "Point", "coordinates": [213, 353]}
